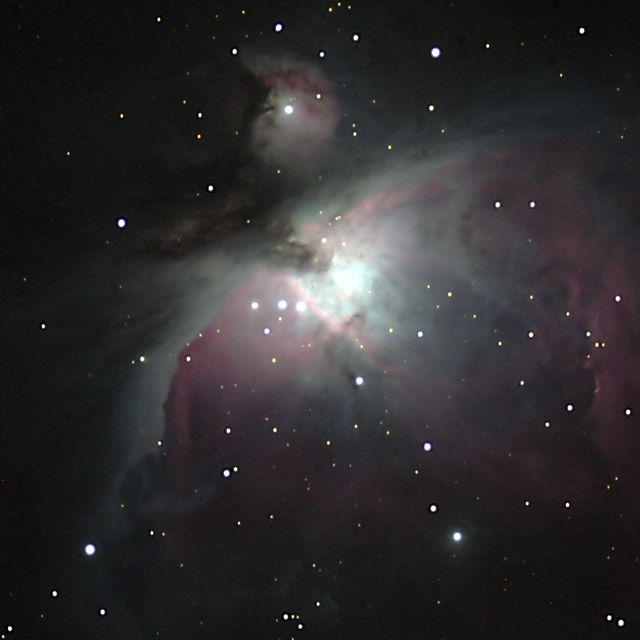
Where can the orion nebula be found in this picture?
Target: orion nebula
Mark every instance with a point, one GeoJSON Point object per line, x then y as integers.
{"type": "Point", "coordinates": [323, 322]}
{"type": "Point", "coordinates": [460, 319]}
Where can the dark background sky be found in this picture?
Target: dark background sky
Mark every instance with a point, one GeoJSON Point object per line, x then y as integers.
{"type": "Point", "coordinates": [456, 242]}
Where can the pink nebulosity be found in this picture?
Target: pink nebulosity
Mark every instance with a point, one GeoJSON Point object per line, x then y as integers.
{"type": "Point", "coordinates": [424, 250]}
{"type": "Point", "coordinates": [295, 128]}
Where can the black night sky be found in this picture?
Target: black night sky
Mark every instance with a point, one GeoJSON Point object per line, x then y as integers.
{"type": "Point", "coordinates": [320, 320]}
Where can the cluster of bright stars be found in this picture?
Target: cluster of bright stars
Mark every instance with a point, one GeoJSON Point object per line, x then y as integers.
{"type": "Point", "coordinates": [295, 617]}
{"type": "Point", "coordinates": [89, 551]}
{"type": "Point", "coordinates": [620, 622]}
{"type": "Point", "coordinates": [300, 306]}
{"type": "Point", "coordinates": [532, 204]}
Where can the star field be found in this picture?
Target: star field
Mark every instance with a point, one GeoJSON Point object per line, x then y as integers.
{"type": "Point", "coordinates": [322, 321]}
